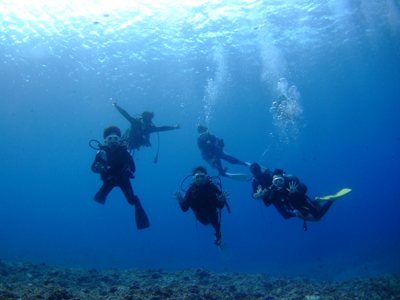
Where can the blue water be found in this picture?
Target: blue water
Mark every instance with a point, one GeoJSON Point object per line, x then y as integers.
{"type": "Point", "coordinates": [219, 63]}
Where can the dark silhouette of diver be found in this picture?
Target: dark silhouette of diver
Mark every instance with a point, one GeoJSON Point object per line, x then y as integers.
{"type": "Point", "coordinates": [288, 195]}
{"type": "Point", "coordinates": [263, 180]}
{"type": "Point", "coordinates": [138, 134]}
{"type": "Point", "coordinates": [205, 198]}
{"type": "Point", "coordinates": [211, 149]}
{"type": "Point", "coordinates": [116, 168]}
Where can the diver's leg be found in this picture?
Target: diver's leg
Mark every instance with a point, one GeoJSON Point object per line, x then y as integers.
{"type": "Point", "coordinates": [101, 195]}
{"type": "Point", "coordinates": [323, 210]}
{"type": "Point", "coordinates": [317, 213]}
{"type": "Point", "coordinates": [216, 162]}
{"type": "Point", "coordinates": [222, 172]}
{"type": "Point", "coordinates": [126, 187]}
{"type": "Point", "coordinates": [232, 160]}
{"type": "Point", "coordinates": [218, 165]}
{"type": "Point", "coordinates": [215, 222]}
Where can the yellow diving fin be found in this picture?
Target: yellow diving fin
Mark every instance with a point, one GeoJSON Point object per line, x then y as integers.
{"type": "Point", "coordinates": [338, 195]}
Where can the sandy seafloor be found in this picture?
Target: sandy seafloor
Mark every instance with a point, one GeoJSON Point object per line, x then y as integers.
{"type": "Point", "coordinates": [25, 280]}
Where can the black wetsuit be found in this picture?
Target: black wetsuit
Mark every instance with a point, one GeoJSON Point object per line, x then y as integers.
{"type": "Point", "coordinates": [298, 200]}
{"type": "Point", "coordinates": [265, 181]}
{"type": "Point", "coordinates": [204, 203]}
{"type": "Point", "coordinates": [116, 168]}
{"type": "Point", "coordinates": [138, 135]}
{"type": "Point", "coordinates": [211, 149]}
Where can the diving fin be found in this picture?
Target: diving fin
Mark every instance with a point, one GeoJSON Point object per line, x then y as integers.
{"type": "Point", "coordinates": [338, 195]}
{"type": "Point", "coordinates": [99, 199]}
{"type": "Point", "coordinates": [238, 176]}
{"type": "Point", "coordinates": [142, 221]}
{"type": "Point", "coordinates": [224, 250]}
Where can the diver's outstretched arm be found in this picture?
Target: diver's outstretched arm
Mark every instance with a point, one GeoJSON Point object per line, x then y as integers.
{"type": "Point", "coordinates": [164, 128]}
{"type": "Point", "coordinates": [124, 113]}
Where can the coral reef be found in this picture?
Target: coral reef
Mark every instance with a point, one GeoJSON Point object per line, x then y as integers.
{"type": "Point", "coordinates": [39, 281]}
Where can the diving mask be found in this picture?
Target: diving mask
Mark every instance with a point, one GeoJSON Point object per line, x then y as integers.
{"type": "Point", "coordinates": [278, 181]}
{"type": "Point", "coordinates": [112, 140]}
{"type": "Point", "coordinates": [200, 178]}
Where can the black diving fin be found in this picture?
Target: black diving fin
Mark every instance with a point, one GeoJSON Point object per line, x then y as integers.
{"type": "Point", "coordinates": [142, 221]}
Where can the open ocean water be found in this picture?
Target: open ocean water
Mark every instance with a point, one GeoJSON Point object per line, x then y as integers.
{"type": "Point", "coordinates": [223, 64]}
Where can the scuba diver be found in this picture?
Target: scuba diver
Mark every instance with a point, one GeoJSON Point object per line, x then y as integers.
{"type": "Point", "coordinates": [211, 149]}
{"type": "Point", "coordinates": [261, 183]}
{"type": "Point", "coordinates": [204, 198]}
{"type": "Point", "coordinates": [138, 134]}
{"type": "Point", "coordinates": [116, 168]}
{"type": "Point", "coordinates": [288, 194]}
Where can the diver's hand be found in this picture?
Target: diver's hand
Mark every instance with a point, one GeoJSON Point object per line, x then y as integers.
{"type": "Point", "coordinates": [114, 102]}
{"type": "Point", "coordinates": [257, 195]}
{"type": "Point", "coordinates": [292, 187]}
{"type": "Point", "coordinates": [178, 196]}
{"type": "Point", "coordinates": [224, 196]}
{"type": "Point", "coordinates": [260, 193]}
{"type": "Point", "coordinates": [178, 126]}
{"type": "Point", "coordinates": [263, 192]}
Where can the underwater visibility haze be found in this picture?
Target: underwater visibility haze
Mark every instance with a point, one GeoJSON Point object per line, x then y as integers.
{"type": "Point", "coordinates": [223, 64]}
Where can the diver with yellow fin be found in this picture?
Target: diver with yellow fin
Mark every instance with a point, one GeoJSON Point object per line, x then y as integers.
{"type": "Point", "coordinates": [288, 195]}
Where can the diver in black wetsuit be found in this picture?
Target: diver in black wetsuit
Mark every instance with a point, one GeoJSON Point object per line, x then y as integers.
{"type": "Point", "coordinates": [262, 181]}
{"type": "Point", "coordinates": [138, 134]}
{"type": "Point", "coordinates": [287, 194]}
{"type": "Point", "coordinates": [204, 198]}
{"type": "Point", "coordinates": [116, 168]}
{"type": "Point", "coordinates": [211, 149]}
